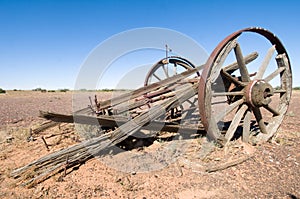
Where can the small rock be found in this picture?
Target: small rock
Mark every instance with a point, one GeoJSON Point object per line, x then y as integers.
{"type": "Point", "coordinates": [30, 139]}
{"type": "Point", "coordinates": [9, 139]}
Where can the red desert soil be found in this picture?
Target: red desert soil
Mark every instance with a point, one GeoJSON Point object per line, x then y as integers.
{"type": "Point", "coordinates": [271, 172]}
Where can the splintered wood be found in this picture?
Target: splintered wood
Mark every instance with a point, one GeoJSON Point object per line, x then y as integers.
{"type": "Point", "coordinates": [51, 164]}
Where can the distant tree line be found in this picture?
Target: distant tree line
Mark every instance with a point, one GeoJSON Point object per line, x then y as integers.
{"type": "Point", "coordinates": [102, 90]}
{"type": "Point", "coordinates": [296, 88]}
{"type": "Point", "coordinates": [44, 90]}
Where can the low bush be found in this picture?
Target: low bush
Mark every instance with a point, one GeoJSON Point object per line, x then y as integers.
{"type": "Point", "coordinates": [40, 89]}
{"type": "Point", "coordinates": [63, 90]}
{"type": "Point", "coordinates": [2, 91]}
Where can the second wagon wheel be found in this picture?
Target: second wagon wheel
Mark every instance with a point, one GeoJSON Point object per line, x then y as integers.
{"type": "Point", "coordinates": [242, 99]}
{"type": "Point", "coordinates": [169, 67]}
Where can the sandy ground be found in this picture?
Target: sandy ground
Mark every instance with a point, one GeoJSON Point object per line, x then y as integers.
{"type": "Point", "coordinates": [272, 171]}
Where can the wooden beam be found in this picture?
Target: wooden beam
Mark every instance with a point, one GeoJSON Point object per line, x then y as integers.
{"type": "Point", "coordinates": [112, 121]}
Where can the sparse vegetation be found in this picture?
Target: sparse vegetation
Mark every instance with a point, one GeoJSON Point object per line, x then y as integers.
{"type": "Point", "coordinates": [2, 90]}
{"type": "Point", "coordinates": [296, 88]}
{"type": "Point", "coordinates": [112, 90]}
{"type": "Point", "coordinates": [106, 90]}
{"type": "Point", "coordinates": [37, 89]}
{"type": "Point", "coordinates": [63, 90]}
{"type": "Point", "coordinates": [103, 90]}
{"type": "Point", "coordinates": [277, 88]}
{"type": "Point", "coordinates": [40, 89]}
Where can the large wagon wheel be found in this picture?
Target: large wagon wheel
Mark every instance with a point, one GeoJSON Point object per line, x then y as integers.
{"type": "Point", "coordinates": [248, 100]}
{"type": "Point", "coordinates": [169, 67]}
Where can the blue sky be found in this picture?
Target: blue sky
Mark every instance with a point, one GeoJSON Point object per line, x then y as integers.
{"type": "Point", "coordinates": [44, 43]}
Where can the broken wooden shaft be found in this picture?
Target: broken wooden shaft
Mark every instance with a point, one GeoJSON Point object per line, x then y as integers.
{"type": "Point", "coordinates": [112, 121]}
{"type": "Point", "coordinates": [55, 162]}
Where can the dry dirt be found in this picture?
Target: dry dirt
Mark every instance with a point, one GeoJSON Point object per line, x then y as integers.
{"type": "Point", "coordinates": [272, 171]}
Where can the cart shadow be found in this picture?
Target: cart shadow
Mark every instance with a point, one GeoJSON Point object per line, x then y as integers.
{"type": "Point", "coordinates": [254, 129]}
{"type": "Point", "coordinates": [137, 142]}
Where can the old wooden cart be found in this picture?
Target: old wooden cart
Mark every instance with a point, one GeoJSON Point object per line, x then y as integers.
{"type": "Point", "coordinates": [230, 98]}
{"type": "Point", "coordinates": [233, 100]}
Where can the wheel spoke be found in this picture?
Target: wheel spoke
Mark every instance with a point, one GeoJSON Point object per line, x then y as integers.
{"type": "Point", "coordinates": [228, 93]}
{"type": "Point", "coordinates": [247, 59]}
{"type": "Point", "coordinates": [149, 80]}
{"type": "Point", "coordinates": [274, 74]}
{"type": "Point", "coordinates": [175, 68]}
{"type": "Point", "coordinates": [190, 102]}
{"type": "Point", "coordinates": [272, 110]}
{"type": "Point", "coordinates": [259, 120]}
{"type": "Point", "coordinates": [231, 78]}
{"type": "Point", "coordinates": [229, 109]}
{"type": "Point", "coordinates": [156, 77]}
{"type": "Point", "coordinates": [265, 63]}
{"type": "Point", "coordinates": [219, 102]}
{"type": "Point", "coordinates": [235, 122]}
{"type": "Point", "coordinates": [246, 126]}
{"type": "Point", "coordinates": [280, 91]}
{"type": "Point", "coordinates": [242, 66]}
{"type": "Point", "coordinates": [165, 71]}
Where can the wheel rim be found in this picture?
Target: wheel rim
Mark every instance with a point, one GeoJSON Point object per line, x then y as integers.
{"type": "Point", "coordinates": [166, 68]}
{"type": "Point", "coordinates": [169, 67]}
{"type": "Point", "coordinates": [255, 99]}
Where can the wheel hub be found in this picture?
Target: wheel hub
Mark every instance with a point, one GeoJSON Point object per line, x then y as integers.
{"type": "Point", "coordinates": [258, 93]}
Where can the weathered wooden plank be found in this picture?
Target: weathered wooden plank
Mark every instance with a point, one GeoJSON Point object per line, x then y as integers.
{"type": "Point", "coordinates": [152, 97]}
{"type": "Point", "coordinates": [55, 162]}
{"type": "Point", "coordinates": [110, 122]}
{"type": "Point", "coordinates": [228, 164]}
{"type": "Point", "coordinates": [143, 90]}
{"type": "Point", "coordinates": [44, 127]}
{"type": "Point", "coordinates": [234, 66]}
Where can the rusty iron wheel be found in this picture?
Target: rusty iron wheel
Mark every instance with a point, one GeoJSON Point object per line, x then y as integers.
{"type": "Point", "coordinates": [242, 99]}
